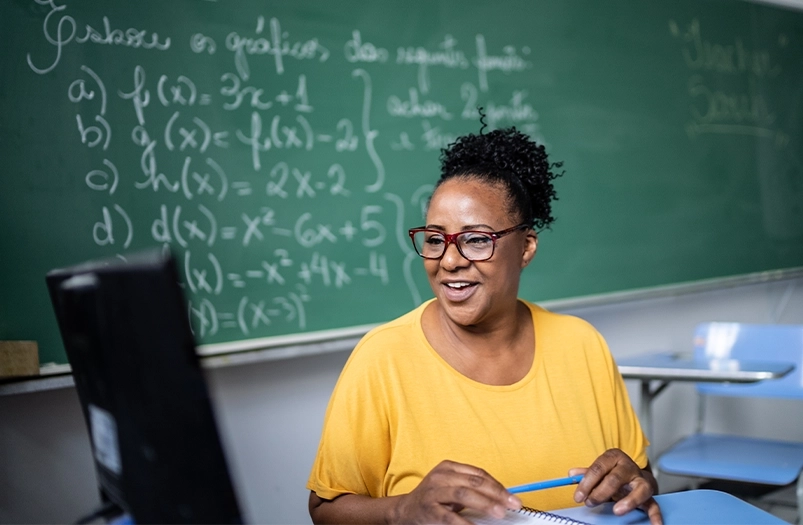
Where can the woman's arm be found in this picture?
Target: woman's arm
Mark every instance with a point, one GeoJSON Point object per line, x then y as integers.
{"type": "Point", "coordinates": [350, 508]}
{"type": "Point", "coordinates": [446, 490]}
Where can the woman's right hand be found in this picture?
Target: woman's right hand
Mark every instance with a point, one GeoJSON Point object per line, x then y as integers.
{"type": "Point", "coordinates": [449, 488]}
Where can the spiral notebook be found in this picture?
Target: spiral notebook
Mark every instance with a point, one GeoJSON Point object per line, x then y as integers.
{"type": "Point", "coordinates": [524, 516]}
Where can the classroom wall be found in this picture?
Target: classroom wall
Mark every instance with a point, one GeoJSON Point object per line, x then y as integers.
{"type": "Point", "coordinates": [270, 413]}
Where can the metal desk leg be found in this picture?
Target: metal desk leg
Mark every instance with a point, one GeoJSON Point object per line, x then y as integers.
{"type": "Point", "coordinates": [648, 394]}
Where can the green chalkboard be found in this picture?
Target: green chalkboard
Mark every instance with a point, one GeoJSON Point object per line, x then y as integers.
{"type": "Point", "coordinates": [283, 149]}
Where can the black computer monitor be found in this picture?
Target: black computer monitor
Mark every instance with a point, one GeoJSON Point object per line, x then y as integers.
{"type": "Point", "coordinates": [156, 446]}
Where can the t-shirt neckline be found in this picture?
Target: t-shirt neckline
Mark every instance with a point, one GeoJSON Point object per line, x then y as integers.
{"type": "Point", "coordinates": [540, 338]}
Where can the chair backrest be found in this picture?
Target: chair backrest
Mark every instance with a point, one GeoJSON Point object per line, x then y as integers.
{"type": "Point", "coordinates": [752, 342]}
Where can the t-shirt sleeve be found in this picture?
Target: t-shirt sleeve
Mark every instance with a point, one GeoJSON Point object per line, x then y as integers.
{"type": "Point", "coordinates": [352, 456]}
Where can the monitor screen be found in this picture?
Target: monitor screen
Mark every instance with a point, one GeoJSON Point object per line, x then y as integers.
{"type": "Point", "coordinates": [127, 336]}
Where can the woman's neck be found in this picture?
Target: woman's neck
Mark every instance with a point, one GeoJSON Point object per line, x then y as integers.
{"type": "Point", "coordinates": [496, 353]}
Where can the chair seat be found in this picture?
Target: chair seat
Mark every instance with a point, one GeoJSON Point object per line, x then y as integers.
{"type": "Point", "coordinates": [734, 458]}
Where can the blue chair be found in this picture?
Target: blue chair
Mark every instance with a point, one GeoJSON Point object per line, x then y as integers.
{"type": "Point", "coordinates": [735, 458]}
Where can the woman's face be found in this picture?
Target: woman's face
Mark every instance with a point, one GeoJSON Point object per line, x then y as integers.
{"type": "Point", "coordinates": [472, 293]}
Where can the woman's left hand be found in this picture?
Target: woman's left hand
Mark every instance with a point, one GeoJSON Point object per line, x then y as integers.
{"type": "Point", "coordinates": [615, 476]}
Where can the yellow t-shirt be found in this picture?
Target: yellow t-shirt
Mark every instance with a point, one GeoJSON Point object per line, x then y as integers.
{"type": "Point", "coordinates": [399, 409]}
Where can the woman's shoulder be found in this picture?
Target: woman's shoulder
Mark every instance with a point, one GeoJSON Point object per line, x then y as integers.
{"type": "Point", "coordinates": [386, 337]}
{"type": "Point", "coordinates": [404, 324]}
{"type": "Point", "coordinates": [571, 338]}
{"type": "Point", "coordinates": [554, 320]}
{"type": "Point", "coordinates": [570, 333]}
{"type": "Point", "coordinates": [387, 347]}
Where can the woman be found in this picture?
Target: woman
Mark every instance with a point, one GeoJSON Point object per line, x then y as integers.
{"type": "Point", "coordinates": [476, 390]}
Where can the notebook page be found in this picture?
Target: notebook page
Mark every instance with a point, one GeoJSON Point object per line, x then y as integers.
{"type": "Point", "coordinates": [525, 516]}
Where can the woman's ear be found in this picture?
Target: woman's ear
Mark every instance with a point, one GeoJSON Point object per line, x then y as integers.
{"type": "Point", "coordinates": [530, 247]}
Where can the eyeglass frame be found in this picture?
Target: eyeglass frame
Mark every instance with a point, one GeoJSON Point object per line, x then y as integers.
{"type": "Point", "coordinates": [451, 238]}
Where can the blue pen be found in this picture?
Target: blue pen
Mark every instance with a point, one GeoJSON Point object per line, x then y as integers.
{"type": "Point", "coordinates": [548, 484]}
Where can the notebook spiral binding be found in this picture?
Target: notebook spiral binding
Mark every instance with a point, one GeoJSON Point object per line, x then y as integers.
{"type": "Point", "coordinates": [548, 516]}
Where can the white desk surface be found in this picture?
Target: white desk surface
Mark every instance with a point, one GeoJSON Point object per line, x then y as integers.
{"type": "Point", "coordinates": [670, 366]}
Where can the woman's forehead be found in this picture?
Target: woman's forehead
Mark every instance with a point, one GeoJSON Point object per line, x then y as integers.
{"type": "Point", "coordinates": [470, 201]}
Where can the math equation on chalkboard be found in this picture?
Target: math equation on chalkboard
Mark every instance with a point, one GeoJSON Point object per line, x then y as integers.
{"type": "Point", "coordinates": [283, 162]}
{"type": "Point", "coordinates": [281, 151]}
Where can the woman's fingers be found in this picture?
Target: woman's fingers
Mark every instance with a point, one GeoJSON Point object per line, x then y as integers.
{"type": "Point", "coordinates": [451, 487]}
{"type": "Point", "coordinates": [615, 476]}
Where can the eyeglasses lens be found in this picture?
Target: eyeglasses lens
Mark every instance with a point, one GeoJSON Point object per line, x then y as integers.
{"type": "Point", "coordinates": [474, 246]}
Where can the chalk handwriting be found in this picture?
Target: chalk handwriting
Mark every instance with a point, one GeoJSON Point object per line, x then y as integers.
{"type": "Point", "coordinates": [446, 56]}
{"type": "Point", "coordinates": [370, 135]}
{"type": "Point", "coordinates": [258, 99]}
{"type": "Point", "coordinates": [368, 224]}
{"type": "Point", "coordinates": [154, 179]}
{"type": "Point", "coordinates": [718, 111]}
{"type": "Point", "coordinates": [182, 92]}
{"type": "Point", "coordinates": [719, 106]}
{"type": "Point", "coordinates": [700, 54]}
{"type": "Point", "coordinates": [253, 225]}
{"type": "Point", "coordinates": [330, 272]}
{"type": "Point", "coordinates": [306, 186]}
{"type": "Point", "coordinates": [203, 277]}
{"type": "Point", "coordinates": [310, 236]}
{"type": "Point", "coordinates": [200, 43]}
{"type": "Point", "coordinates": [65, 24]}
{"type": "Point", "coordinates": [734, 108]}
{"type": "Point", "coordinates": [399, 227]}
{"type": "Point", "coordinates": [140, 96]}
{"type": "Point", "coordinates": [261, 201]}
{"type": "Point", "coordinates": [377, 267]}
{"type": "Point", "coordinates": [434, 138]}
{"type": "Point", "coordinates": [347, 142]}
{"type": "Point", "coordinates": [203, 317]}
{"type": "Point", "coordinates": [412, 107]}
{"type": "Point", "coordinates": [101, 180]}
{"type": "Point", "coordinates": [403, 143]}
{"type": "Point", "coordinates": [103, 231]}
{"type": "Point", "coordinates": [94, 135]}
{"type": "Point", "coordinates": [130, 37]}
{"type": "Point", "coordinates": [169, 227]}
{"type": "Point", "coordinates": [276, 45]}
{"type": "Point", "coordinates": [78, 90]}
{"type": "Point", "coordinates": [516, 112]}
{"type": "Point", "coordinates": [207, 320]}
{"type": "Point", "coordinates": [239, 93]}
{"type": "Point", "coordinates": [469, 94]}
{"type": "Point", "coordinates": [357, 51]}
{"type": "Point", "coordinates": [179, 137]}
{"type": "Point", "coordinates": [66, 31]}
{"type": "Point", "coordinates": [508, 62]}
{"type": "Point", "coordinates": [255, 140]}
{"type": "Point", "coordinates": [214, 183]}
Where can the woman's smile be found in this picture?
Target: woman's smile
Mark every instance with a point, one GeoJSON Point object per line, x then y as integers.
{"type": "Point", "coordinates": [457, 291]}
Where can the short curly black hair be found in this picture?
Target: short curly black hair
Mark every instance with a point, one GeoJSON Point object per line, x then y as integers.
{"type": "Point", "coordinates": [511, 158]}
